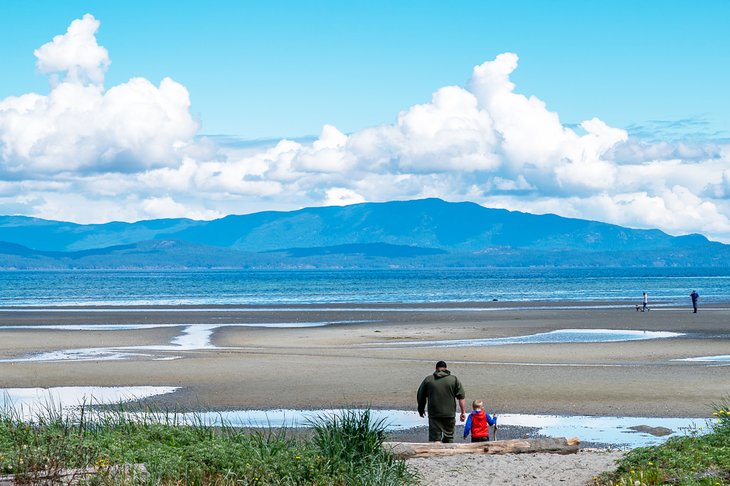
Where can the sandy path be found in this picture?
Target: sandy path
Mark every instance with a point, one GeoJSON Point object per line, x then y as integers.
{"type": "Point", "coordinates": [515, 469]}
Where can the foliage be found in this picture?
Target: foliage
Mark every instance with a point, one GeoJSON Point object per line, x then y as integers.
{"type": "Point", "coordinates": [351, 448]}
{"type": "Point", "coordinates": [107, 447]}
{"type": "Point", "coordinates": [701, 459]}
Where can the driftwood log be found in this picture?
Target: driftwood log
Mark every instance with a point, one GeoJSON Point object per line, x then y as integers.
{"type": "Point", "coordinates": [553, 445]}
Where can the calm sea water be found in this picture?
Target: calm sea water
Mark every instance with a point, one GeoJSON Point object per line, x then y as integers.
{"type": "Point", "coordinates": [42, 288]}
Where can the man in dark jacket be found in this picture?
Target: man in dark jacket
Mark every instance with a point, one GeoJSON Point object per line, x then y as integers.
{"type": "Point", "coordinates": [441, 390]}
{"type": "Point", "coordinates": [694, 296]}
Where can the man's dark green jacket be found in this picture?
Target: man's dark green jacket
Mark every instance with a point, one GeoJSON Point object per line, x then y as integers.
{"type": "Point", "coordinates": [440, 390]}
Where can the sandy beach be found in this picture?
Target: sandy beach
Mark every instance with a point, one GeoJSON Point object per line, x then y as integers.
{"type": "Point", "coordinates": [357, 360]}
{"type": "Point", "coordinates": [374, 355]}
{"type": "Point", "coordinates": [516, 469]}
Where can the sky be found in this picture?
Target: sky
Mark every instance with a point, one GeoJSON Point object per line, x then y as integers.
{"type": "Point", "coordinates": [616, 111]}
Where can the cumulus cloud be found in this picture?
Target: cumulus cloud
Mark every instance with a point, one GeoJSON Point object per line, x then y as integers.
{"type": "Point", "coordinates": [80, 127]}
{"type": "Point", "coordinates": [130, 127]}
{"type": "Point", "coordinates": [85, 152]}
{"type": "Point", "coordinates": [75, 56]}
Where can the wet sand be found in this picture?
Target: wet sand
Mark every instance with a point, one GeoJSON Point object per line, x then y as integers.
{"type": "Point", "coordinates": [344, 364]}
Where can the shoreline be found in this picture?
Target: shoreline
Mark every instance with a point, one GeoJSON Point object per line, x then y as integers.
{"type": "Point", "coordinates": [451, 304]}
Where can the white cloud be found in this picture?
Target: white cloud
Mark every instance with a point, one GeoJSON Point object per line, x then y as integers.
{"type": "Point", "coordinates": [131, 127]}
{"type": "Point", "coordinates": [512, 185]}
{"type": "Point", "coordinates": [75, 56]}
{"type": "Point", "coordinates": [166, 207]}
{"type": "Point", "coordinates": [81, 127]}
{"type": "Point", "coordinates": [325, 154]}
{"type": "Point", "coordinates": [339, 196]}
{"type": "Point", "coordinates": [86, 153]}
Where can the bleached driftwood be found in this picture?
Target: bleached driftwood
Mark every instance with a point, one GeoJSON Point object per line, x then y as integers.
{"type": "Point", "coordinates": [553, 445]}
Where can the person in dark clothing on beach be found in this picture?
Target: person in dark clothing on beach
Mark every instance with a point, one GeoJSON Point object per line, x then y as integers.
{"type": "Point", "coordinates": [695, 297]}
{"type": "Point", "coordinates": [440, 391]}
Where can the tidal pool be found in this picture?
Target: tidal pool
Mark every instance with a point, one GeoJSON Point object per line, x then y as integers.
{"type": "Point", "coordinates": [613, 431]}
{"type": "Point", "coordinates": [560, 336]}
{"type": "Point", "coordinates": [29, 403]}
{"type": "Point", "coordinates": [193, 337]}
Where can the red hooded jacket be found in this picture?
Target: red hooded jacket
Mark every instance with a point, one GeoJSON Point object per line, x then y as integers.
{"type": "Point", "coordinates": [478, 424]}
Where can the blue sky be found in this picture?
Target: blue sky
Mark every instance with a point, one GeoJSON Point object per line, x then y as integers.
{"type": "Point", "coordinates": [285, 68]}
{"type": "Point", "coordinates": [616, 111]}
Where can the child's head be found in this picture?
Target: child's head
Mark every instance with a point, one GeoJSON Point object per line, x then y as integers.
{"type": "Point", "coordinates": [477, 405]}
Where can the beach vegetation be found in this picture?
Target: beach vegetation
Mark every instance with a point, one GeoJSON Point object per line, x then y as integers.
{"type": "Point", "coordinates": [352, 444]}
{"type": "Point", "coordinates": [699, 458]}
{"type": "Point", "coordinates": [153, 447]}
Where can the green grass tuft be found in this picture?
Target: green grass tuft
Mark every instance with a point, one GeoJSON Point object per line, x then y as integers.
{"type": "Point", "coordinates": [698, 459]}
{"type": "Point", "coordinates": [344, 450]}
{"type": "Point", "coordinates": [351, 448]}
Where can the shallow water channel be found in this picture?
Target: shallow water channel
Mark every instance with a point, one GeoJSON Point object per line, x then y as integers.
{"type": "Point", "coordinates": [560, 336]}
{"type": "Point", "coordinates": [30, 403]}
{"type": "Point", "coordinates": [197, 337]}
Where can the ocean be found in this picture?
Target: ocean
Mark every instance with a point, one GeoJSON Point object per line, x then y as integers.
{"type": "Point", "coordinates": [665, 286]}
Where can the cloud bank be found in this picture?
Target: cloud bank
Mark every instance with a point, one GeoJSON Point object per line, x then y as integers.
{"type": "Point", "coordinates": [87, 153]}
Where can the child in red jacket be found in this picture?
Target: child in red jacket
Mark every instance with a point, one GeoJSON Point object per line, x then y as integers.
{"type": "Point", "coordinates": [478, 423]}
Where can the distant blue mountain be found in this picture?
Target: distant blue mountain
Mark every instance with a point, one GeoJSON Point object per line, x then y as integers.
{"type": "Point", "coordinates": [429, 223]}
{"type": "Point", "coordinates": [41, 234]}
{"type": "Point", "coordinates": [420, 232]}
{"type": "Point", "coordinates": [367, 249]}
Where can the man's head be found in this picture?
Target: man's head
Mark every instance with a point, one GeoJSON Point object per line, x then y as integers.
{"type": "Point", "coordinates": [441, 365]}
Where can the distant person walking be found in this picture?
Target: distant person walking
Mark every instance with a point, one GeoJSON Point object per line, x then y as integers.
{"type": "Point", "coordinates": [646, 303]}
{"type": "Point", "coordinates": [695, 297]}
{"type": "Point", "coordinates": [440, 391]}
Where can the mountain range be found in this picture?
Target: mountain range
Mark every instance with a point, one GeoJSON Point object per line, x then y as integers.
{"type": "Point", "coordinates": [418, 233]}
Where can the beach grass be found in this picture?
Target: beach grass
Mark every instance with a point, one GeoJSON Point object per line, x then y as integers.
{"type": "Point", "coordinates": [700, 458]}
{"type": "Point", "coordinates": [352, 443]}
{"type": "Point", "coordinates": [118, 447]}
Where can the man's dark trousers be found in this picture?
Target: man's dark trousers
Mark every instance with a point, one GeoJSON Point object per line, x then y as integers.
{"type": "Point", "coordinates": [441, 429]}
